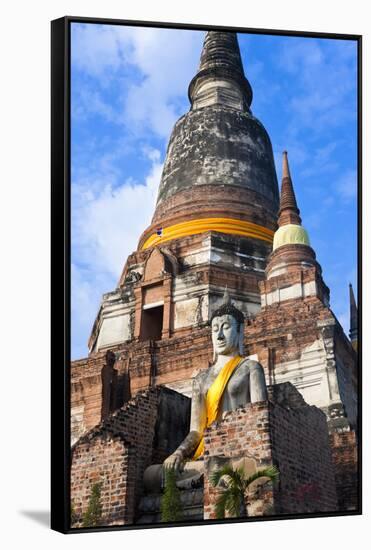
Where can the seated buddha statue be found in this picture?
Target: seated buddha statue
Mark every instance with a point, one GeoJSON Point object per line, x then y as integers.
{"type": "Point", "coordinates": [231, 382]}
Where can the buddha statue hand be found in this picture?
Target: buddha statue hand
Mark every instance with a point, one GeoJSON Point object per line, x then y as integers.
{"type": "Point", "coordinates": [175, 461]}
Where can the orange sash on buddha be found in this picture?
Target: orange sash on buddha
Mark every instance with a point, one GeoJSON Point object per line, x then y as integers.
{"type": "Point", "coordinates": [214, 398]}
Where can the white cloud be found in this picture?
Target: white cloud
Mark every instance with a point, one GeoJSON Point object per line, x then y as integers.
{"type": "Point", "coordinates": [119, 81]}
{"type": "Point", "coordinates": [153, 101]}
{"type": "Point", "coordinates": [107, 221]}
{"type": "Point", "coordinates": [300, 55]}
{"type": "Point", "coordinates": [158, 97]}
{"type": "Point", "coordinates": [88, 101]}
{"type": "Point", "coordinates": [86, 294]}
{"type": "Point", "coordinates": [323, 154]}
{"type": "Point", "coordinates": [97, 49]}
{"type": "Point", "coordinates": [326, 75]}
{"type": "Point", "coordinates": [347, 185]}
{"type": "Point", "coordinates": [322, 161]}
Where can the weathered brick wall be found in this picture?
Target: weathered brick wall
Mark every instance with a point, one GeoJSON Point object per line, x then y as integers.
{"type": "Point", "coordinates": [301, 450]}
{"type": "Point", "coordinates": [172, 424]}
{"type": "Point", "coordinates": [346, 367]}
{"type": "Point", "coordinates": [286, 329]}
{"type": "Point", "coordinates": [116, 454]}
{"type": "Point", "coordinates": [244, 432]}
{"type": "Point", "coordinates": [117, 451]}
{"type": "Point", "coordinates": [345, 459]}
{"type": "Point", "coordinates": [178, 358]}
{"type": "Point", "coordinates": [90, 401]}
{"type": "Point", "coordinates": [101, 461]}
{"type": "Point", "coordinates": [138, 365]}
{"type": "Point", "coordinates": [296, 440]}
{"type": "Point", "coordinates": [86, 390]}
{"type": "Point", "coordinates": [293, 343]}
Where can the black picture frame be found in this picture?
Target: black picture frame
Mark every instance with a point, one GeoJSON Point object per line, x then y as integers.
{"type": "Point", "coordinates": [61, 261]}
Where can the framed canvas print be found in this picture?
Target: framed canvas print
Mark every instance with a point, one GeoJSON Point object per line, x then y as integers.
{"type": "Point", "coordinates": [206, 286]}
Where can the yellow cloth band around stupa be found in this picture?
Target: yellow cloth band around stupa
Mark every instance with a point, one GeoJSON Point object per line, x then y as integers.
{"type": "Point", "coordinates": [221, 225]}
{"type": "Point", "coordinates": [214, 397]}
{"type": "Point", "coordinates": [290, 234]}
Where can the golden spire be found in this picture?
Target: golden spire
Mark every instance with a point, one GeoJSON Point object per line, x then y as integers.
{"type": "Point", "coordinates": [290, 230]}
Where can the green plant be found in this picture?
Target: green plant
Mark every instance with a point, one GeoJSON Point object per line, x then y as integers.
{"type": "Point", "coordinates": [93, 513]}
{"type": "Point", "coordinates": [171, 506]}
{"type": "Point", "coordinates": [74, 516]}
{"type": "Point", "coordinates": [232, 495]}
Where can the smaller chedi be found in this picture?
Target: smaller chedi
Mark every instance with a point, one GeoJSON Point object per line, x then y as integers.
{"type": "Point", "coordinates": [231, 382]}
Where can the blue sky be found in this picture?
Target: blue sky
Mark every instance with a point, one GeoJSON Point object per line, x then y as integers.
{"type": "Point", "coordinates": [129, 86]}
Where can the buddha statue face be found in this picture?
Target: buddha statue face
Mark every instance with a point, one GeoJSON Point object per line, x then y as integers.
{"type": "Point", "coordinates": [225, 335]}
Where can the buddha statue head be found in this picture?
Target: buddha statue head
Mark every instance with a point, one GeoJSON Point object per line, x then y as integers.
{"type": "Point", "coordinates": [227, 329]}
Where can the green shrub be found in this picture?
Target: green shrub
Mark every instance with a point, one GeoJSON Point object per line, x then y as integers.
{"type": "Point", "coordinates": [231, 499]}
{"type": "Point", "coordinates": [93, 514]}
{"type": "Point", "coordinates": [171, 506]}
{"type": "Point", "coordinates": [74, 517]}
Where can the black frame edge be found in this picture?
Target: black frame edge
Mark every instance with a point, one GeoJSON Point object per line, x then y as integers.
{"type": "Point", "coordinates": [60, 280]}
{"type": "Point", "coordinates": [205, 27]}
{"type": "Point", "coordinates": [60, 267]}
{"type": "Point", "coordinates": [359, 272]}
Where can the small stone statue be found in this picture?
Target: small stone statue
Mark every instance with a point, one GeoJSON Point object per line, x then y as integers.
{"type": "Point", "coordinates": [133, 277]}
{"type": "Point", "coordinates": [231, 382]}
